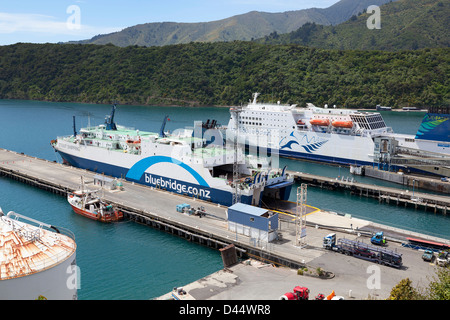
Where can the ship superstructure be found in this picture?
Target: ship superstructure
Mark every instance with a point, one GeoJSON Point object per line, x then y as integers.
{"type": "Point", "coordinates": [177, 162]}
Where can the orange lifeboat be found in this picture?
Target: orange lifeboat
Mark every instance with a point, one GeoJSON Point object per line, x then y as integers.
{"type": "Point", "coordinates": [342, 124]}
{"type": "Point", "coordinates": [319, 122]}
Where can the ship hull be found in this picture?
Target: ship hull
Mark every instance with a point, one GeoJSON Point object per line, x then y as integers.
{"type": "Point", "coordinates": [84, 213]}
{"type": "Point", "coordinates": [149, 178]}
{"type": "Point", "coordinates": [318, 147]}
{"type": "Point", "coordinates": [94, 216]}
{"type": "Point", "coordinates": [323, 158]}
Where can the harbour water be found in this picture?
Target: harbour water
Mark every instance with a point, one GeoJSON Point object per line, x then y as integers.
{"type": "Point", "coordinates": [130, 261]}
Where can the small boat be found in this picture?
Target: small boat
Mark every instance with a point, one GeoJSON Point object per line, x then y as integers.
{"type": "Point", "coordinates": [320, 122]}
{"type": "Point", "coordinates": [342, 124]}
{"type": "Point", "coordinates": [358, 170]}
{"type": "Point", "coordinates": [88, 204]}
{"type": "Point", "coordinates": [383, 108]}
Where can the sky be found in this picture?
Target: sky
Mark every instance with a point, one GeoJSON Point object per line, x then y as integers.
{"type": "Point", "coordinates": [41, 21]}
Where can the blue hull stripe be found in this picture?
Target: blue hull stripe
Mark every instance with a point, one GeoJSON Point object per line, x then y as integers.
{"type": "Point", "coordinates": [314, 157]}
{"type": "Point", "coordinates": [193, 190]}
{"type": "Point", "coordinates": [336, 160]}
{"type": "Point", "coordinates": [138, 169]}
{"type": "Point", "coordinates": [320, 158]}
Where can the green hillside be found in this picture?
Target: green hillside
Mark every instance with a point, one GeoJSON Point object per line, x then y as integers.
{"type": "Point", "coordinates": [248, 26]}
{"type": "Point", "coordinates": [405, 25]}
{"type": "Point", "coordinates": [224, 73]}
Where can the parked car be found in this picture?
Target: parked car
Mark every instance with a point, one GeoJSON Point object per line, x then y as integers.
{"type": "Point", "coordinates": [428, 255]}
{"type": "Point", "coordinates": [442, 258]}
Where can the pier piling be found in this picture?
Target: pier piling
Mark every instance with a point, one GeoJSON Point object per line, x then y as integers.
{"type": "Point", "coordinates": [383, 194]}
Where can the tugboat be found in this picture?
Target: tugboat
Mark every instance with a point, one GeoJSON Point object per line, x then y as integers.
{"type": "Point", "coordinates": [88, 204]}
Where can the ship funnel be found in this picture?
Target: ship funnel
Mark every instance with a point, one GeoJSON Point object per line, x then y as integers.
{"type": "Point", "coordinates": [435, 125]}
{"type": "Point", "coordinates": [163, 125]}
{"type": "Point", "coordinates": [109, 120]}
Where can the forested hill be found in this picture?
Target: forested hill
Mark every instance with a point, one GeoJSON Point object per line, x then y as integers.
{"type": "Point", "coordinates": [405, 25]}
{"type": "Point", "coordinates": [247, 26]}
{"type": "Point", "coordinates": [225, 73]}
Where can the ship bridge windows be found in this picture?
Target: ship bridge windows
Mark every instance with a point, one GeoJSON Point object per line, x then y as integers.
{"type": "Point", "coordinates": [370, 121]}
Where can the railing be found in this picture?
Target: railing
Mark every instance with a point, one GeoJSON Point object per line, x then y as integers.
{"type": "Point", "coordinates": [32, 234]}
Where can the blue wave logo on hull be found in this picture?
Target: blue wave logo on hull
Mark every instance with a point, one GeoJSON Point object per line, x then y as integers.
{"type": "Point", "coordinates": [309, 147]}
{"type": "Point", "coordinates": [289, 144]}
{"type": "Point", "coordinates": [138, 169]}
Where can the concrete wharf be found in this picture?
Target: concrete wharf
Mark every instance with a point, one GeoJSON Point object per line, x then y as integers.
{"type": "Point", "coordinates": [146, 205]}
{"type": "Point", "coordinates": [426, 201]}
{"type": "Point", "coordinates": [157, 208]}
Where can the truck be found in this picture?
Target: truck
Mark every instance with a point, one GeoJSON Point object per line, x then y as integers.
{"type": "Point", "coordinates": [186, 209]}
{"type": "Point", "coordinates": [442, 258]}
{"type": "Point", "coordinates": [428, 255]}
{"type": "Point", "coordinates": [378, 238]}
{"type": "Point", "coordinates": [300, 293]}
{"type": "Point", "coordinates": [363, 250]}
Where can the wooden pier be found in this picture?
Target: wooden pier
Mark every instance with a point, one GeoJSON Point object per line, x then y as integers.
{"type": "Point", "coordinates": [426, 201]}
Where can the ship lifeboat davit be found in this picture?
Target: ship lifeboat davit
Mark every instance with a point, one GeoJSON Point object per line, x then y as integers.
{"type": "Point", "coordinates": [319, 122]}
{"type": "Point", "coordinates": [342, 124]}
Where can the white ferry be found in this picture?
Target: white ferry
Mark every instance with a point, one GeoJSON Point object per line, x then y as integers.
{"type": "Point", "coordinates": [178, 162]}
{"type": "Point", "coordinates": [331, 135]}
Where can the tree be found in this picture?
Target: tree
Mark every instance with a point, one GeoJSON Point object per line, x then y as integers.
{"type": "Point", "coordinates": [439, 289]}
{"type": "Point", "coordinates": [403, 291]}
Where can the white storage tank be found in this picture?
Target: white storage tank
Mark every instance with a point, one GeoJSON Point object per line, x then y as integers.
{"type": "Point", "coordinates": [37, 261]}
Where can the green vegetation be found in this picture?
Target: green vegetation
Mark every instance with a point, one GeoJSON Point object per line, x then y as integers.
{"type": "Point", "coordinates": [404, 291]}
{"type": "Point", "coordinates": [409, 66]}
{"type": "Point", "coordinates": [438, 288]}
{"type": "Point", "coordinates": [245, 27]}
{"type": "Point", "coordinates": [223, 73]}
{"type": "Point", "coordinates": [405, 25]}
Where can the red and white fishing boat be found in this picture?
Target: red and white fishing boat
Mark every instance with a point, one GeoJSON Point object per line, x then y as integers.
{"type": "Point", "coordinates": [88, 204]}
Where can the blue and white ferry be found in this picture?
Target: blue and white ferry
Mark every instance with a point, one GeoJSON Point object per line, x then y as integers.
{"type": "Point", "coordinates": [179, 162]}
{"type": "Point", "coordinates": [331, 135]}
